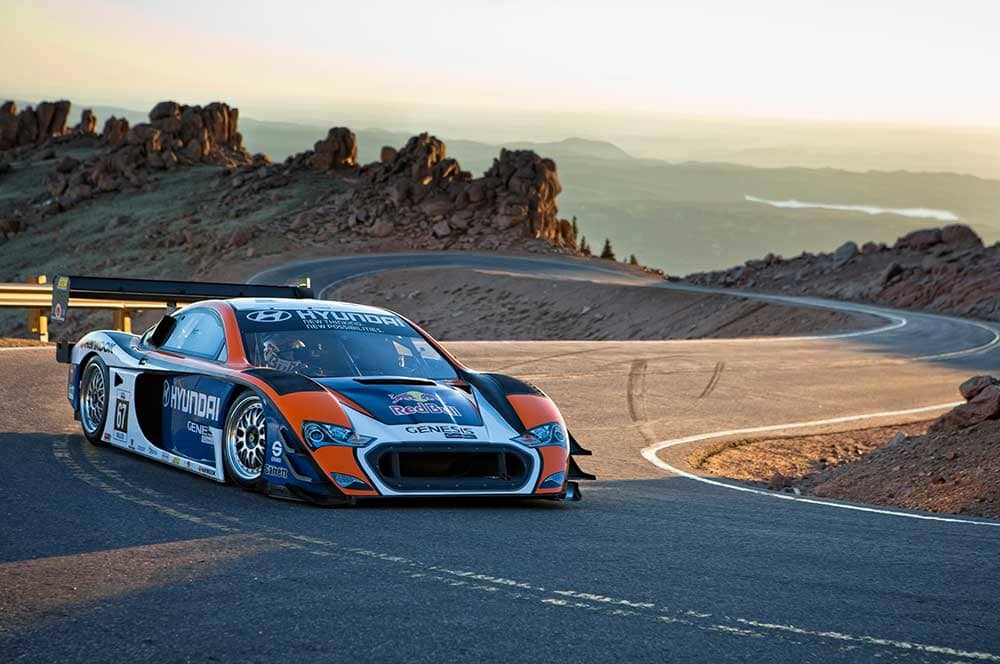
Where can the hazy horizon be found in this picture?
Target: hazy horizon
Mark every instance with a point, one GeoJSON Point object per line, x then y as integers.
{"type": "Point", "coordinates": [895, 63]}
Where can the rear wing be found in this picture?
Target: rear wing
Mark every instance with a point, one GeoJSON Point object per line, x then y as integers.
{"type": "Point", "coordinates": [87, 291]}
{"type": "Point", "coordinates": [171, 293]}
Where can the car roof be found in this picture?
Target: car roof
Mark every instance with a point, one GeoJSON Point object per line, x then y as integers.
{"type": "Point", "coordinates": [289, 304]}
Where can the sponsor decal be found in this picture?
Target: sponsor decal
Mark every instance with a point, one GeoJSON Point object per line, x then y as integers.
{"type": "Point", "coordinates": [328, 319]}
{"type": "Point", "coordinates": [122, 395]}
{"type": "Point", "coordinates": [191, 402]}
{"type": "Point", "coordinates": [277, 449]}
{"type": "Point", "coordinates": [203, 430]}
{"type": "Point", "coordinates": [268, 316]}
{"type": "Point", "coordinates": [99, 346]}
{"type": "Point", "coordinates": [71, 387]}
{"type": "Point", "coordinates": [107, 436]}
{"type": "Point", "coordinates": [204, 470]}
{"type": "Point", "coordinates": [447, 430]}
{"type": "Point", "coordinates": [415, 402]}
{"type": "Point", "coordinates": [275, 471]}
{"type": "Point", "coordinates": [121, 417]}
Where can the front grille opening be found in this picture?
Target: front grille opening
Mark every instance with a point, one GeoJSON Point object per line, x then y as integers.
{"type": "Point", "coordinates": [452, 469]}
{"type": "Point", "coordinates": [430, 465]}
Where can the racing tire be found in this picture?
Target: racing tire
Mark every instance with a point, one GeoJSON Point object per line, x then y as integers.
{"type": "Point", "coordinates": [244, 442]}
{"type": "Point", "coordinates": [95, 396]}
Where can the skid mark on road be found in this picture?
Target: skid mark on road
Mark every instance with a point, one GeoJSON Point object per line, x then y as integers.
{"type": "Point", "coordinates": [96, 473]}
{"type": "Point", "coordinates": [635, 399]}
{"type": "Point", "coordinates": [714, 380]}
{"type": "Point", "coordinates": [637, 390]}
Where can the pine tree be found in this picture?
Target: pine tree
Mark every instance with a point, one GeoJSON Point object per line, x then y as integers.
{"type": "Point", "coordinates": [576, 229]}
{"type": "Point", "coordinates": [632, 260]}
{"type": "Point", "coordinates": [584, 247]}
{"type": "Point", "coordinates": [607, 252]}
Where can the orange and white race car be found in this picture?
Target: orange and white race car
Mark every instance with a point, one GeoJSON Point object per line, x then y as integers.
{"type": "Point", "coordinates": [270, 389]}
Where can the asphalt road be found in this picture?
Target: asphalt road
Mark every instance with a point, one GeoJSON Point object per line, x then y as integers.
{"type": "Point", "coordinates": [108, 557]}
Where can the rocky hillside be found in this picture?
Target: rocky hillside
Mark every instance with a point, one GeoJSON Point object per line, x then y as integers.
{"type": "Point", "coordinates": [945, 270]}
{"type": "Point", "coordinates": [179, 196]}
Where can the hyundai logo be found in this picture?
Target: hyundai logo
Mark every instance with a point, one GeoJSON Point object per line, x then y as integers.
{"type": "Point", "coordinates": [268, 316]}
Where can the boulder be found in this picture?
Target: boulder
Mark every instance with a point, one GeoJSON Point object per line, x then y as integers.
{"type": "Point", "coordinates": [165, 109]}
{"type": "Point", "coordinates": [27, 127]}
{"type": "Point", "coordinates": [971, 388]}
{"type": "Point", "coordinates": [60, 115]}
{"type": "Point", "coordinates": [87, 125]}
{"type": "Point", "coordinates": [845, 252]}
{"type": "Point", "coordinates": [44, 113]}
{"type": "Point", "coordinates": [382, 228]}
{"type": "Point", "coordinates": [891, 271]}
{"type": "Point", "coordinates": [441, 229]}
{"type": "Point", "coordinates": [56, 184]}
{"type": "Point", "coordinates": [919, 240]}
{"type": "Point", "coordinates": [74, 194]}
{"type": "Point", "coordinates": [387, 154]}
{"type": "Point", "coordinates": [985, 405]}
{"type": "Point", "coordinates": [115, 131]}
{"type": "Point", "coordinates": [143, 134]}
{"type": "Point", "coordinates": [8, 125]}
{"type": "Point", "coordinates": [67, 165]}
{"type": "Point", "coordinates": [960, 236]}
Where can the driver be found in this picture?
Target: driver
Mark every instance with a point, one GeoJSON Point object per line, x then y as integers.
{"type": "Point", "coordinates": [283, 350]}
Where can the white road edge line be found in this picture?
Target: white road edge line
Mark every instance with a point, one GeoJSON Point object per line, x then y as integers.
{"type": "Point", "coordinates": [650, 454]}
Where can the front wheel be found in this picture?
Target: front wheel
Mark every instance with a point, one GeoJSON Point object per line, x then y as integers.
{"type": "Point", "coordinates": [94, 399]}
{"type": "Point", "coordinates": [244, 441]}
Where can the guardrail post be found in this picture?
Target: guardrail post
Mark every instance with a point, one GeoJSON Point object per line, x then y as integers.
{"type": "Point", "coordinates": [38, 319]}
{"type": "Point", "coordinates": [123, 320]}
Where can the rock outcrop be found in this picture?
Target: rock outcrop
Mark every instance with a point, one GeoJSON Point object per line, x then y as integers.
{"type": "Point", "coordinates": [191, 135]}
{"type": "Point", "coordinates": [87, 125]}
{"type": "Point", "coordinates": [339, 150]}
{"type": "Point", "coordinates": [175, 136]}
{"type": "Point", "coordinates": [32, 125]}
{"type": "Point", "coordinates": [519, 191]}
{"type": "Point", "coordinates": [946, 270]}
{"type": "Point", "coordinates": [115, 131]}
{"type": "Point", "coordinates": [419, 194]}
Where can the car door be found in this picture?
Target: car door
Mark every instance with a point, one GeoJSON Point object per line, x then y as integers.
{"type": "Point", "coordinates": [194, 403]}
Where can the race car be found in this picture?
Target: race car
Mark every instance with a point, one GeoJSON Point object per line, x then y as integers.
{"type": "Point", "coordinates": [270, 389]}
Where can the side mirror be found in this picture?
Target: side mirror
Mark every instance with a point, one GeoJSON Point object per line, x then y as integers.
{"type": "Point", "coordinates": [162, 331]}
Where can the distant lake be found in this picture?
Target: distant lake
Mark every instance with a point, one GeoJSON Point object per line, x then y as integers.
{"type": "Point", "coordinates": [919, 213]}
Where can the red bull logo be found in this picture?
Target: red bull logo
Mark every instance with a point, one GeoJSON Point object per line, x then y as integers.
{"type": "Point", "coordinates": [413, 396]}
{"type": "Point", "coordinates": [415, 402]}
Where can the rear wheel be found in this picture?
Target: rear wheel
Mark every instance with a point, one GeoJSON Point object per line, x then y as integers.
{"type": "Point", "coordinates": [94, 395]}
{"type": "Point", "coordinates": [245, 441]}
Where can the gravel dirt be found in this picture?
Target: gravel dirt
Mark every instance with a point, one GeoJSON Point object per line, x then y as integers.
{"type": "Point", "coordinates": [952, 472]}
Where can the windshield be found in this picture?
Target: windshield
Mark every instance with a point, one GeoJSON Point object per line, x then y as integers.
{"type": "Point", "coordinates": [333, 343]}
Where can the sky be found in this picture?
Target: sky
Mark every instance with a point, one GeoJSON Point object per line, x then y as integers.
{"type": "Point", "coordinates": [898, 62]}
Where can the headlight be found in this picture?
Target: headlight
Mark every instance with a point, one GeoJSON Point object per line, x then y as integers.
{"type": "Point", "coordinates": [319, 434]}
{"type": "Point", "coordinates": [552, 433]}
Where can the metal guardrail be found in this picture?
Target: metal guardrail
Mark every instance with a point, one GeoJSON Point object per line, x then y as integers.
{"type": "Point", "coordinates": [36, 297]}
